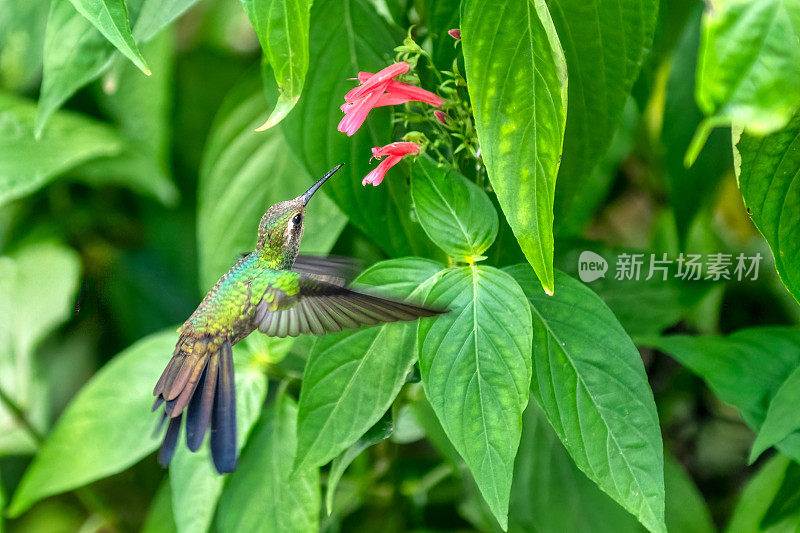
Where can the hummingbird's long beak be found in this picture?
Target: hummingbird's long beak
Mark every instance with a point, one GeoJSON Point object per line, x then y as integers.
{"type": "Point", "coordinates": [310, 192]}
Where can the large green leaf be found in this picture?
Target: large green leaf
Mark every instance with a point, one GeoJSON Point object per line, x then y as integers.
{"type": "Point", "coordinates": [349, 36]}
{"type": "Point", "coordinates": [605, 43]}
{"type": "Point", "coordinates": [783, 416]}
{"type": "Point", "coordinates": [351, 378]}
{"type": "Point", "coordinates": [111, 18]}
{"type": "Point", "coordinates": [242, 174]}
{"type": "Point", "coordinates": [757, 497]}
{"type": "Point", "coordinates": [476, 367]}
{"type": "Point", "coordinates": [76, 53]}
{"type": "Point", "coordinates": [516, 75]}
{"type": "Point", "coordinates": [38, 284]}
{"type": "Point", "coordinates": [454, 212]}
{"type": "Point", "coordinates": [282, 30]}
{"type": "Point", "coordinates": [745, 369]}
{"type": "Point", "coordinates": [264, 494]}
{"type": "Point", "coordinates": [27, 164]}
{"type": "Point", "coordinates": [590, 381]}
{"type": "Point", "coordinates": [548, 488]}
{"type": "Point", "coordinates": [107, 427]}
{"type": "Point", "coordinates": [155, 15]}
{"type": "Point", "coordinates": [749, 63]}
{"type": "Point", "coordinates": [196, 485]}
{"type": "Point", "coordinates": [768, 169]}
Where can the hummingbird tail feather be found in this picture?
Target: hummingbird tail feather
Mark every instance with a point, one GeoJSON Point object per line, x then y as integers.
{"type": "Point", "coordinates": [198, 381]}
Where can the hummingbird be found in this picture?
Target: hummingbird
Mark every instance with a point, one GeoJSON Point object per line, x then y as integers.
{"type": "Point", "coordinates": [272, 289]}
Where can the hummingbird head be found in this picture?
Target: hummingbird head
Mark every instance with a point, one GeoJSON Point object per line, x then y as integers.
{"type": "Point", "coordinates": [281, 227]}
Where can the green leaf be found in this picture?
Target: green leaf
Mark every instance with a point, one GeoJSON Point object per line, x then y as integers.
{"type": "Point", "coordinates": [787, 499]}
{"type": "Point", "coordinates": [141, 107]}
{"type": "Point", "coordinates": [27, 164]}
{"type": "Point", "coordinates": [377, 433]}
{"type": "Point", "coordinates": [155, 15]}
{"type": "Point", "coordinates": [745, 369]}
{"type": "Point", "coordinates": [686, 510]}
{"type": "Point", "coordinates": [264, 494]}
{"type": "Point", "coordinates": [693, 188]}
{"type": "Point", "coordinates": [234, 190]}
{"type": "Point", "coordinates": [106, 428]}
{"type": "Point", "coordinates": [196, 485]}
{"type": "Point", "coordinates": [75, 53]}
{"type": "Point", "coordinates": [767, 169]}
{"type": "Point", "coordinates": [749, 63]}
{"type": "Point", "coordinates": [605, 43]}
{"type": "Point", "coordinates": [455, 213]}
{"type": "Point", "coordinates": [22, 26]}
{"type": "Point", "coordinates": [590, 381]}
{"type": "Point", "coordinates": [111, 18]}
{"type": "Point", "coordinates": [351, 378]}
{"type": "Point", "coordinates": [757, 497]}
{"type": "Point", "coordinates": [475, 365]}
{"type": "Point", "coordinates": [282, 30]}
{"type": "Point", "coordinates": [159, 517]}
{"type": "Point", "coordinates": [548, 488]}
{"type": "Point", "coordinates": [782, 417]}
{"type": "Point", "coordinates": [38, 284]}
{"type": "Point", "coordinates": [516, 75]}
{"type": "Point", "coordinates": [349, 36]}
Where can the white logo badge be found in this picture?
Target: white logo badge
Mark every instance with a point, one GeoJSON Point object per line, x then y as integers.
{"type": "Point", "coordinates": [591, 266]}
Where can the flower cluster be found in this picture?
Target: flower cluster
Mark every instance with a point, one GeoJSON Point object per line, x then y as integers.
{"type": "Point", "coordinates": [376, 90]}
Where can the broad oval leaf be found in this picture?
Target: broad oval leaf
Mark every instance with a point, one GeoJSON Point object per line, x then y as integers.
{"type": "Point", "coordinates": [605, 43]}
{"type": "Point", "coordinates": [590, 381]}
{"type": "Point", "coordinates": [236, 189]}
{"type": "Point", "coordinates": [351, 378]}
{"type": "Point", "coordinates": [196, 485]}
{"type": "Point", "coordinates": [768, 169]}
{"type": "Point", "coordinates": [26, 164]}
{"type": "Point", "coordinates": [744, 45]}
{"type": "Point", "coordinates": [264, 494]}
{"type": "Point", "coordinates": [282, 30]}
{"type": "Point", "coordinates": [454, 212]}
{"type": "Point", "coordinates": [782, 418]}
{"type": "Point", "coordinates": [107, 427]}
{"type": "Point", "coordinates": [516, 75]}
{"type": "Point", "coordinates": [349, 36]}
{"type": "Point", "coordinates": [111, 18]}
{"type": "Point", "coordinates": [745, 369]}
{"type": "Point", "coordinates": [476, 368]}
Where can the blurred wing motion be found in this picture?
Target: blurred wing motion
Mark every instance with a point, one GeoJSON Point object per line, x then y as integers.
{"type": "Point", "coordinates": [331, 268]}
{"type": "Point", "coordinates": [200, 376]}
{"type": "Point", "coordinates": [322, 307]}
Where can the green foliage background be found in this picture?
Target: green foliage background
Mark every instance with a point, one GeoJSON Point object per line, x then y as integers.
{"type": "Point", "coordinates": [131, 177]}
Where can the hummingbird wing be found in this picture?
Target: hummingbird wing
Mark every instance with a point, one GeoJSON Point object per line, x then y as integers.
{"type": "Point", "coordinates": [320, 307]}
{"type": "Point", "coordinates": [331, 268]}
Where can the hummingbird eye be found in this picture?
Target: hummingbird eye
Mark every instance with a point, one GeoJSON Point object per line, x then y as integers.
{"type": "Point", "coordinates": [297, 219]}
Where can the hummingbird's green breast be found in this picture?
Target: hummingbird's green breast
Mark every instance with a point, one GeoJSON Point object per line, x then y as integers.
{"type": "Point", "coordinates": [228, 308]}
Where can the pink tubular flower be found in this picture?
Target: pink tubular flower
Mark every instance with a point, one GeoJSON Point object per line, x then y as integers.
{"type": "Point", "coordinates": [455, 33]}
{"type": "Point", "coordinates": [380, 89]}
{"type": "Point", "coordinates": [393, 152]}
